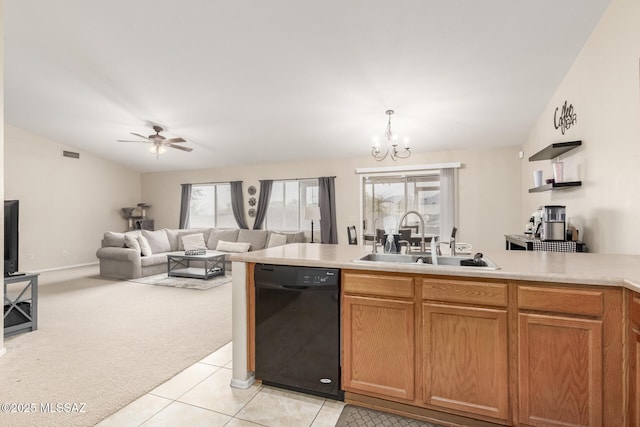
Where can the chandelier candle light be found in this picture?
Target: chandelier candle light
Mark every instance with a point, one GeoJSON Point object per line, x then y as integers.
{"type": "Point", "coordinates": [392, 144]}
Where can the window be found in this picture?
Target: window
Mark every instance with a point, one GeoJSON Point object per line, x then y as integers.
{"type": "Point", "coordinates": [388, 197]}
{"type": "Point", "coordinates": [289, 198]}
{"type": "Point", "coordinates": [210, 206]}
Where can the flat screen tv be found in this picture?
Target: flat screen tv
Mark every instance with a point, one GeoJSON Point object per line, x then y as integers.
{"type": "Point", "coordinates": [10, 237]}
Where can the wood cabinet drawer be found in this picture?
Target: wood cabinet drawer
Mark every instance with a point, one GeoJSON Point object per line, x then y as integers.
{"type": "Point", "coordinates": [465, 292]}
{"type": "Point", "coordinates": [634, 310]}
{"type": "Point", "coordinates": [558, 300]}
{"type": "Point", "coordinates": [378, 284]}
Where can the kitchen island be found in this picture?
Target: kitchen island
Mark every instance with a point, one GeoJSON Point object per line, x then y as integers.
{"type": "Point", "coordinates": [546, 339]}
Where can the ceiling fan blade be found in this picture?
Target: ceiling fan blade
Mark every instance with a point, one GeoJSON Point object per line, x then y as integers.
{"type": "Point", "coordinates": [180, 147]}
{"type": "Point", "coordinates": [126, 140]}
{"type": "Point", "coordinates": [174, 140]}
{"type": "Point", "coordinates": [137, 134]}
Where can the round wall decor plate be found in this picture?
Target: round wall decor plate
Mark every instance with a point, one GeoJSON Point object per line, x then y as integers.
{"type": "Point", "coordinates": [252, 213]}
{"type": "Point", "coordinates": [251, 190]}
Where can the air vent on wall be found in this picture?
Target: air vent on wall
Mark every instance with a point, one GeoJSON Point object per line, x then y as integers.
{"type": "Point", "coordinates": [71, 154]}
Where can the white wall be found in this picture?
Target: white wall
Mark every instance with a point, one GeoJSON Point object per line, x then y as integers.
{"type": "Point", "coordinates": [2, 349]}
{"type": "Point", "coordinates": [603, 86]}
{"type": "Point", "coordinates": [65, 204]}
{"type": "Point", "coordinates": [489, 189]}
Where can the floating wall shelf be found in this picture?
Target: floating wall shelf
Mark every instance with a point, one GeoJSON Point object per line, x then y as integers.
{"type": "Point", "coordinates": [555, 186]}
{"type": "Point", "coordinates": [554, 150]}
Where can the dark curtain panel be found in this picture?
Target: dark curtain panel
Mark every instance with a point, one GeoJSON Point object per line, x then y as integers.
{"type": "Point", "coordinates": [185, 200]}
{"type": "Point", "coordinates": [327, 204]}
{"type": "Point", "coordinates": [263, 202]}
{"type": "Point", "coordinates": [237, 203]}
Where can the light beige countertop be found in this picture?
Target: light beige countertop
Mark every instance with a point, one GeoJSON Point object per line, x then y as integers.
{"type": "Point", "coordinates": [554, 267]}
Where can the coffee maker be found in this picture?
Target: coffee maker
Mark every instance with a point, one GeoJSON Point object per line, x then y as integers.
{"type": "Point", "coordinates": [553, 223]}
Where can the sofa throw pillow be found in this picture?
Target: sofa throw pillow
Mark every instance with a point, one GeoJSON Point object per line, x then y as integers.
{"type": "Point", "coordinates": [192, 242]}
{"type": "Point", "coordinates": [158, 241]}
{"type": "Point", "coordinates": [276, 239]}
{"type": "Point", "coordinates": [145, 249]}
{"type": "Point", "coordinates": [188, 232]}
{"type": "Point", "coordinates": [172, 236]}
{"type": "Point", "coordinates": [113, 240]}
{"type": "Point", "coordinates": [257, 238]}
{"type": "Point", "coordinates": [299, 237]}
{"type": "Point", "coordinates": [233, 246]}
{"type": "Point", "coordinates": [216, 235]}
{"type": "Point", "coordinates": [131, 242]}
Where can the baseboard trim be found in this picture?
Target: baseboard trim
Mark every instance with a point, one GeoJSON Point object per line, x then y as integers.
{"type": "Point", "coordinates": [243, 384]}
{"type": "Point", "coordinates": [66, 267]}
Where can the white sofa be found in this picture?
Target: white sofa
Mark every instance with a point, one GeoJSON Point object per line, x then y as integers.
{"type": "Point", "coordinates": [122, 262]}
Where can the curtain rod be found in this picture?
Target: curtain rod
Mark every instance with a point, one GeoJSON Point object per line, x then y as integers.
{"type": "Point", "coordinates": [300, 179]}
{"type": "Point", "coordinates": [227, 182]}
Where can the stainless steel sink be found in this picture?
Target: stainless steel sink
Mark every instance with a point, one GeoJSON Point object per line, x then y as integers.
{"type": "Point", "coordinates": [426, 259]}
{"type": "Point", "coordinates": [401, 258]}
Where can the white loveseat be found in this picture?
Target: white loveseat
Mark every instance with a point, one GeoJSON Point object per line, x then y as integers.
{"type": "Point", "coordinates": [122, 262]}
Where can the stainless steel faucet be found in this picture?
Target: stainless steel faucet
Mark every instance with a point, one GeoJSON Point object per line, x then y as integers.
{"type": "Point", "coordinates": [422, 247]}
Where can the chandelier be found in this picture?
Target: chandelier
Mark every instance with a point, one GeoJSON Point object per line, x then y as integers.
{"type": "Point", "coordinates": [391, 144]}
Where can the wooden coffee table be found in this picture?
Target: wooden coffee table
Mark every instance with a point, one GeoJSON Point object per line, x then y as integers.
{"type": "Point", "coordinates": [204, 266]}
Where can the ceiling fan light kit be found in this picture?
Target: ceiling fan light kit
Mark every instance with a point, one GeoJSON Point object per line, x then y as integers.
{"type": "Point", "coordinates": [157, 149]}
{"type": "Point", "coordinates": [159, 143]}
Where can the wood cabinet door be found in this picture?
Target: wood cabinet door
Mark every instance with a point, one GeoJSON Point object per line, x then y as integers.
{"type": "Point", "coordinates": [559, 371]}
{"type": "Point", "coordinates": [634, 359]}
{"type": "Point", "coordinates": [464, 356]}
{"type": "Point", "coordinates": [634, 379]}
{"type": "Point", "coordinates": [378, 346]}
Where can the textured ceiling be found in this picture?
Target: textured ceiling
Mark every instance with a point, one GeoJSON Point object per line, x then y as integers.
{"type": "Point", "coordinates": [260, 81]}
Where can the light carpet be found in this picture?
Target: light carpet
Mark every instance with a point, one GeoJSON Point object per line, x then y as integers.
{"type": "Point", "coordinates": [105, 343]}
{"type": "Point", "coordinates": [183, 282]}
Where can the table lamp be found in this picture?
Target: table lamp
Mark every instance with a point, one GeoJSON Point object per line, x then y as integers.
{"type": "Point", "coordinates": [312, 213]}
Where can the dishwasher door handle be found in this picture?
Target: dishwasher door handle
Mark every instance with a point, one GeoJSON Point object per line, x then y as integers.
{"type": "Point", "coordinates": [292, 287]}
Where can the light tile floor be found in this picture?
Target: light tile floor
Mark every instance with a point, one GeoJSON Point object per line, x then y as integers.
{"type": "Point", "coordinates": [201, 396]}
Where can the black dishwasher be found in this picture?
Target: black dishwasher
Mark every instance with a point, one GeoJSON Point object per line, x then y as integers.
{"type": "Point", "coordinates": [297, 333]}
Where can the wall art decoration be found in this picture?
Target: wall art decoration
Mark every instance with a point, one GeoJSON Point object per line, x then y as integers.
{"type": "Point", "coordinates": [252, 213]}
{"type": "Point", "coordinates": [251, 190]}
{"type": "Point", "coordinates": [565, 118]}
{"type": "Point", "coordinates": [252, 201]}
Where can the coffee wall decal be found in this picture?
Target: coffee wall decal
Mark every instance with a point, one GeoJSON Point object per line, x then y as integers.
{"type": "Point", "coordinates": [565, 119]}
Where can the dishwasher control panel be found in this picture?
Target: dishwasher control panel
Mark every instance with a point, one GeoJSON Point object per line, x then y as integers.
{"type": "Point", "coordinates": [308, 276]}
{"type": "Point", "coordinates": [287, 275]}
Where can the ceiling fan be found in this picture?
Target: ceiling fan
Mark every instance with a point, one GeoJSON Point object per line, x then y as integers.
{"type": "Point", "coordinates": [159, 142]}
